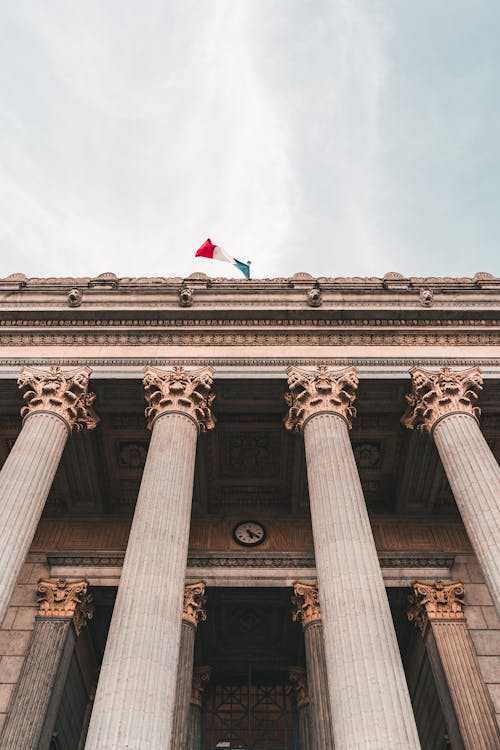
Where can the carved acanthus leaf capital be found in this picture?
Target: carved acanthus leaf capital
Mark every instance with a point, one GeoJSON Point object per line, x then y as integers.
{"type": "Point", "coordinates": [306, 606]}
{"type": "Point", "coordinates": [298, 682]}
{"type": "Point", "coordinates": [201, 678]}
{"type": "Point", "coordinates": [178, 390]}
{"type": "Point", "coordinates": [436, 394]}
{"type": "Point", "coordinates": [320, 391]}
{"type": "Point", "coordinates": [66, 599]}
{"type": "Point", "coordinates": [435, 601]}
{"type": "Point", "coordinates": [64, 393]}
{"type": "Point", "coordinates": [193, 610]}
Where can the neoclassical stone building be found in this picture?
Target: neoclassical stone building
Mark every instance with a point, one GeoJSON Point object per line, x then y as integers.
{"type": "Point", "coordinates": [249, 514]}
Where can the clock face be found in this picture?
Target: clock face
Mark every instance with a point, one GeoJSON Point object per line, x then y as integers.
{"type": "Point", "coordinates": [249, 533]}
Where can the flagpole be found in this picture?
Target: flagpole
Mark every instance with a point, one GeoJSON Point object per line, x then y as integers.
{"type": "Point", "coordinates": [249, 263]}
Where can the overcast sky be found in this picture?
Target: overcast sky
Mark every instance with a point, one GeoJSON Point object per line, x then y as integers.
{"type": "Point", "coordinates": [339, 137]}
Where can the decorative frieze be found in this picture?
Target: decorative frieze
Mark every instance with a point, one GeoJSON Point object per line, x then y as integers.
{"type": "Point", "coordinates": [298, 681]}
{"type": "Point", "coordinates": [407, 538]}
{"type": "Point", "coordinates": [69, 600]}
{"type": "Point", "coordinates": [193, 610]}
{"type": "Point", "coordinates": [306, 604]}
{"type": "Point", "coordinates": [436, 394]}
{"type": "Point", "coordinates": [320, 391]}
{"type": "Point", "coordinates": [201, 678]}
{"type": "Point", "coordinates": [177, 390]}
{"type": "Point", "coordinates": [64, 393]}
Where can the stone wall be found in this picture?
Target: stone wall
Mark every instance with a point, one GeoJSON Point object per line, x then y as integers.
{"type": "Point", "coordinates": [17, 626]}
{"type": "Point", "coordinates": [483, 623]}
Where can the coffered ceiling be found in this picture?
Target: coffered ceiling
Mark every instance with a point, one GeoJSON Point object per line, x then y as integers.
{"type": "Point", "coordinates": [249, 464]}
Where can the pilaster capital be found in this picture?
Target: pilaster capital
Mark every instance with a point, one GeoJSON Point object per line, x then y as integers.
{"type": "Point", "coordinates": [179, 391]}
{"type": "Point", "coordinates": [65, 599]}
{"type": "Point", "coordinates": [320, 391]}
{"type": "Point", "coordinates": [437, 394]}
{"type": "Point", "coordinates": [306, 606]}
{"type": "Point", "coordinates": [201, 678]}
{"type": "Point", "coordinates": [298, 680]}
{"type": "Point", "coordinates": [441, 602]}
{"type": "Point", "coordinates": [64, 393]}
{"type": "Point", "coordinates": [193, 610]}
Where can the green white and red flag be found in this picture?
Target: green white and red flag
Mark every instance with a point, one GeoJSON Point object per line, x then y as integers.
{"type": "Point", "coordinates": [216, 252]}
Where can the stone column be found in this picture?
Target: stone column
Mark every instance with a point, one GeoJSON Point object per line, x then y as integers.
{"type": "Point", "coordinates": [64, 610]}
{"type": "Point", "coordinates": [56, 402]}
{"type": "Point", "coordinates": [442, 403]}
{"type": "Point", "coordinates": [201, 678]}
{"type": "Point", "coordinates": [298, 681]}
{"type": "Point", "coordinates": [306, 609]}
{"type": "Point", "coordinates": [437, 609]}
{"type": "Point", "coordinates": [135, 696]}
{"type": "Point", "coordinates": [192, 613]}
{"type": "Point", "coordinates": [369, 699]}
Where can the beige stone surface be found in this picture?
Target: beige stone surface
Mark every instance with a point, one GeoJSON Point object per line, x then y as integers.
{"type": "Point", "coordinates": [17, 627]}
{"type": "Point", "coordinates": [482, 622]}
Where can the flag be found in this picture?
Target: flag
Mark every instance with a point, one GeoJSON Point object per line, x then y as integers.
{"type": "Point", "coordinates": [209, 250]}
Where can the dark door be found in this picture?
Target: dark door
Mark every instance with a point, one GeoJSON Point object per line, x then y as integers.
{"type": "Point", "coordinates": [251, 711]}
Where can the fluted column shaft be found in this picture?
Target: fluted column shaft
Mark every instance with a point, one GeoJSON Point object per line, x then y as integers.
{"type": "Point", "coordinates": [194, 728]}
{"type": "Point", "coordinates": [64, 610]}
{"type": "Point", "coordinates": [369, 698]}
{"type": "Point", "coordinates": [30, 722]}
{"type": "Point", "coordinates": [25, 482]}
{"type": "Point", "coordinates": [304, 722]}
{"type": "Point", "coordinates": [468, 693]}
{"type": "Point", "coordinates": [474, 477]}
{"type": "Point", "coordinates": [317, 682]}
{"type": "Point", "coordinates": [136, 691]}
{"type": "Point", "coordinates": [184, 687]}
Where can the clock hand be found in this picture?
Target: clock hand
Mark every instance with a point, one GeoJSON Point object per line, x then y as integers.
{"type": "Point", "coordinates": [251, 534]}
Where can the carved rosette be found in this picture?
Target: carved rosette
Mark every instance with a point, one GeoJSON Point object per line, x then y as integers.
{"type": "Point", "coordinates": [179, 391]}
{"type": "Point", "coordinates": [306, 606]}
{"type": "Point", "coordinates": [201, 678]}
{"type": "Point", "coordinates": [298, 681]}
{"type": "Point", "coordinates": [193, 610]}
{"type": "Point", "coordinates": [437, 601]}
{"type": "Point", "coordinates": [436, 394]}
{"type": "Point", "coordinates": [320, 391]}
{"type": "Point", "coordinates": [64, 599]}
{"type": "Point", "coordinates": [64, 393]}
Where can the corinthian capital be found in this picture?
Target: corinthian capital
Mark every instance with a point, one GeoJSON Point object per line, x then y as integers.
{"type": "Point", "coordinates": [201, 678]}
{"type": "Point", "coordinates": [305, 600]}
{"type": "Point", "coordinates": [298, 681]}
{"type": "Point", "coordinates": [64, 393]}
{"type": "Point", "coordinates": [436, 394]}
{"type": "Point", "coordinates": [63, 599]}
{"type": "Point", "coordinates": [319, 391]}
{"type": "Point", "coordinates": [193, 610]}
{"type": "Point", "coordinates": [179, 391]}
{"type": "Point", "coordinates": [435, 601]}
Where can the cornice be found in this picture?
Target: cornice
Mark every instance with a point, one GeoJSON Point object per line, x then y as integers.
{"type": "Point", "coordinates": [254, 338]}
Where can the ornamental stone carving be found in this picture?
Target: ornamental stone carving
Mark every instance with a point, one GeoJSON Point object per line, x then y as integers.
{"type": "Point", "coordinates": [438, 601]}
{"type": "Point", "coordinates": [64, 393]}
{"type": "Point", "coordinates": [179, 391]}
{"type": "Point", "coordinates": [306, 606]}
{"type": "Point", "coordinates": [68, 600]}
{"type": "Point", "coordinates": [320, 391]}
{"type": "Point", "coordinates": [201, 678]}
{"type": "Point", "coordinates": [436, 394]}
{"type": "Point", "coordinates": [298, 681]}
{"type": "Point", "coordinates": [193, 610]}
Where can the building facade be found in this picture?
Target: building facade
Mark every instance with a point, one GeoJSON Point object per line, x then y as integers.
{"type": "Point", "coordinates": [255, 515]}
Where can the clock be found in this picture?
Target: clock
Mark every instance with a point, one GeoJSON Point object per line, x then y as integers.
{"type": "Point", "coordinates": [249, 533]}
